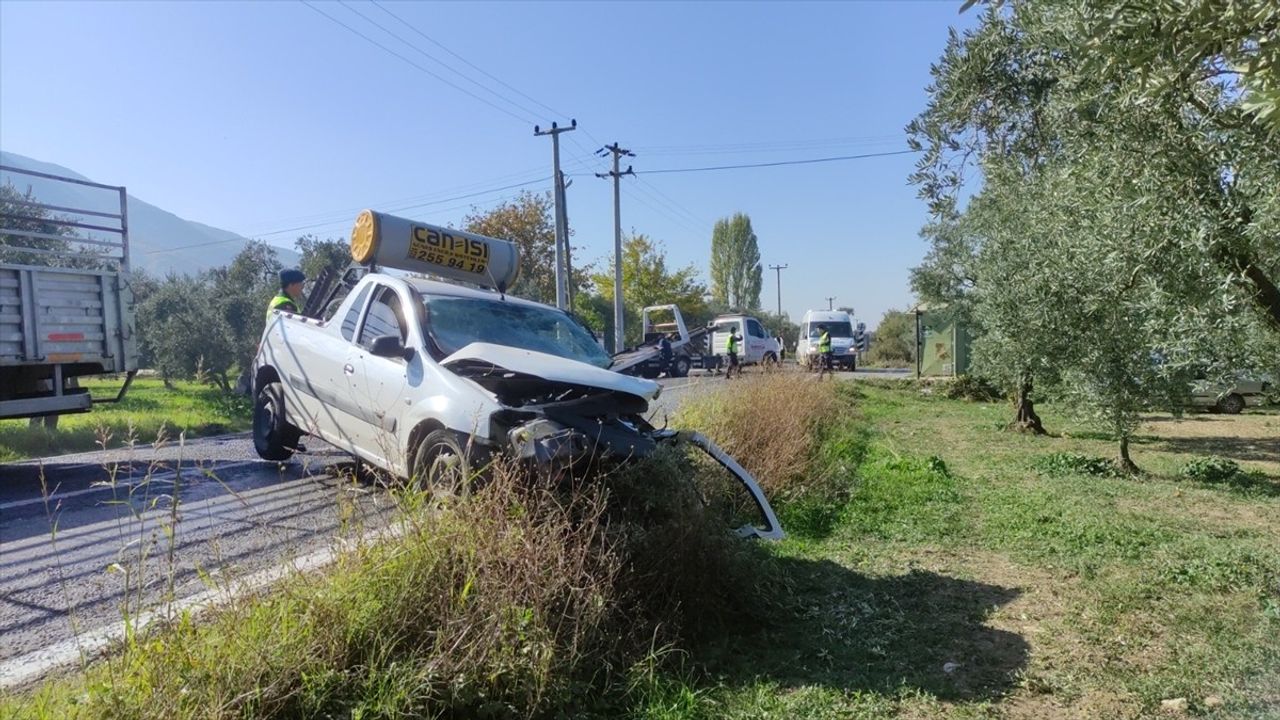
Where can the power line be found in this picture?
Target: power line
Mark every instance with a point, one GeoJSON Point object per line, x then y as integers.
{"type": "Point", "coordinates": [773, 144]}
{"type": "Point", "coordinates": [435, 59]}
{"type": "Point", "coordinates": [433, 74]}
{"type": "Point", "coordinates": [469, 64]}
{"type": "Point", "coordinates": [672, 201]}
{"type": "Point", "coordinates": [325, 224]}
{"type": "Point", "coordinates": [810, 161]}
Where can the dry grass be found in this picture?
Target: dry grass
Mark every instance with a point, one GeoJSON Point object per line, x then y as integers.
{"type": "Point", "coordinates": [533, 594]}
{"type": "Point", "coordinates": [773, 423]}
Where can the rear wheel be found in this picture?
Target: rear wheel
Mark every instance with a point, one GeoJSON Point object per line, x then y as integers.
{"type": "Point", "coordinates": [680, 367]}
{"type": "Point", "coordinates": [1232, 404]}
{"type": "Point", "coordinates": [440, 466]}
{"type": "Point", "coordinates": [273, 437]}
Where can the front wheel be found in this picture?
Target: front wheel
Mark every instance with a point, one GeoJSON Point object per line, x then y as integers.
{"type": "Point", "coordinates": [273, 437]}
{"type": "Point", "coordinates": [1232, 404]}
{"type": "Point", "coordinates": [440, 466]}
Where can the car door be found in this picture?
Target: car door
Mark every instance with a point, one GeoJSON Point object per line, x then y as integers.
{"type": "Point", "coordinates": [378, 385]}
{"type": "Point", "coordinates": [756, 342]}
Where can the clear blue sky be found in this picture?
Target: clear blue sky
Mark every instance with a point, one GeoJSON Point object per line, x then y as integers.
{"type": "Point", "coordinates": [263, 117]}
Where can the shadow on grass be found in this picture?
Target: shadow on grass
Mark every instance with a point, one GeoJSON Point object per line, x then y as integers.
{"type": "Point", "coordinates": [1235, 448]}
{"type": "Point", "coordinates": [843, 630]}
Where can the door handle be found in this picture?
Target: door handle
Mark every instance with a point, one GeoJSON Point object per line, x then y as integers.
{"type": "Point", "coordinates": [348, 369]}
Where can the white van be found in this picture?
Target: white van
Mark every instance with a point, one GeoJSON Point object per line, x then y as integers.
{"type": "Point", "coordinates": [757, 346]}
{"type": "Point", "coordinates": [839, 326]}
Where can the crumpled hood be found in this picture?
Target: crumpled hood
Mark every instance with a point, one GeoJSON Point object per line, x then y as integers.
{"type": "Point", "coordinates": [553, 368]}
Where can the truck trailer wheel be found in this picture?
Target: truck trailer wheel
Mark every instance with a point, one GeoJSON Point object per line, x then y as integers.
{"type": "Point", "coordinates": [680, 367]}
{"type": "Point", "coordinates": [441, 467]}
{"type": "Point", "coordinates": [273, 437]}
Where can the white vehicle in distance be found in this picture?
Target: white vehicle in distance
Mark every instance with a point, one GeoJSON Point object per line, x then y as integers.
{"type": "Point", "coordinates": [756, 345]}
{"type": "Point", "coordinates": [1230, 399]}
{"type": "Point", "coordinates": [839, 326]}
{"type": "Point", "coordinates": [427, 379]}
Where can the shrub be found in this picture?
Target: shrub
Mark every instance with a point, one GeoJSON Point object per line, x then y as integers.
{"type": "Point", "coordinates": [773, 425]}
{"type": "Point", "coordinates": [1064, 463]}
{"type": "Point", "coordinates": [1212, 470]}
{"type": "Point", "coordinates": [974, 388]}
{"type": "Point", "coordinates": [532, 594]}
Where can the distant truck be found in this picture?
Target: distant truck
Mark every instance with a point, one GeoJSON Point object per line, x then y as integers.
{"type": "Point", "coordinates": [66, 309]}
{"type": "Point", "coordinates": [758, 348]}
{"type": "Point", "coordinates": [840, 326]}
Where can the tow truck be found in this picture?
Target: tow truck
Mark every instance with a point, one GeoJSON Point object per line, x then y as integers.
{"type": "Point", "coordinates": [426, 378]}
{"type": "Point", "coordinates": [688, 347]}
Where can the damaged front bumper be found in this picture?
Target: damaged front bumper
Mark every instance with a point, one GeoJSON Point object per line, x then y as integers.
{"type": "Point", "coordinates": [550, 442]}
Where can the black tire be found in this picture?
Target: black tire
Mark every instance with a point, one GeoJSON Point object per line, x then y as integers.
{"type": "Point", "coordinates": [441, 465]}
{"type": "Point", "coordinates": [273, 437]}
{"type": "Point", "coordinates": [1232, 404]}
{"type": "Point", "coordinates": [769, 360]}
{"type": "Point", "coordinates": [48, 422]}
{"type": "Point", "coordinates": [680, 367]}
{"type": "Point", "coordinates": [650, 372]}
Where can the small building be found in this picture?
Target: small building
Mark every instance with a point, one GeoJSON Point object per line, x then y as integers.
{"type": "Point", "coordinates": [943, 344]}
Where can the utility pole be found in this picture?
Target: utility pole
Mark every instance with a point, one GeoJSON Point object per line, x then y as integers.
{"type": "Point", "coordinates": [562, 227]}
{"type": "Point", "coordinates": [617, 152]}
{"type": "Point", "coordinates": [830, 300]}
{"type": "Point", "coordinates": [778, 271]}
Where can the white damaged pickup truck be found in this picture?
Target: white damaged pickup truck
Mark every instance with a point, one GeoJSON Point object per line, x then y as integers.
{"type": "Point", "coordinates": [427, 379]}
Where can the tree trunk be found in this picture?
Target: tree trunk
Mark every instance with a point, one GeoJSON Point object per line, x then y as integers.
{"type": "Point", "coordinates": [1025, 417]}
{"type": "Point", "coordinates": [1125, 463]}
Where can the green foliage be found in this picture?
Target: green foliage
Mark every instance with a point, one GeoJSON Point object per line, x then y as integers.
{"type": "Point", "coordinates": [319, 255]}
{"type": "Point", "coordinates": [1124, 237]}
{"type": "Point", "coordinates": [529, 222]}
{"type": "Point", "coordinates": [736, 274]}
{"type": "Point", "coordinates": [182, 329]}
{"type": "Point", "coordinates": [1212, 470]}
{"type": "Point", "coordinates": [894, 341]}
{"type": "Point", "coordinates": [241, 291]}
{"type": "Point", "coordinates": [973, 388]}
{"type": "Point", "coordinates": [16, 216]}
{"type": "Point", "coordinates": [646, 280]}
{"type": "Point", "coordinates": [1061, 464]}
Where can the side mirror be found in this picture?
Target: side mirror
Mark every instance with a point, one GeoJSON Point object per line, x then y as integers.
{"type": "Point", "coordinates": [389, 346]}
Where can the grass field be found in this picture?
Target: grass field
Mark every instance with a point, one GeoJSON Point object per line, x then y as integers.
{"type": "Point", "coordinates": [148, 411]}
{"type": "Point", "coordinates": [937, 566]}
{"type": "Point", "coordinates": [968, 577]}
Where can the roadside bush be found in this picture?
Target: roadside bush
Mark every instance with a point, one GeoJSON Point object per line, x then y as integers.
{"type": "Point", "coordinates": [1064, 463]}
{"type": "Point", "coordinates": [973, 388]}
{"type": "Point", "coordinates": [1214, 470]}
{"type": "Point", "coordinates": [533, 594]}
{"type": "Point", "coordinates": [774, 425]}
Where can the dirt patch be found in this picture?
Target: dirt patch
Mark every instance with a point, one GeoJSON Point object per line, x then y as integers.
{"type": "Point", "coordinates": [1252, 439]}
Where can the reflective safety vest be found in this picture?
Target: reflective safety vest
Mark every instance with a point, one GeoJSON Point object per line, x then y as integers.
{"type": "Point", "coordinates": [824, 342]}
{"type": "Point", "coordinates": [732, 346]}
{"type": "Point", "coordinates": [278, 302]}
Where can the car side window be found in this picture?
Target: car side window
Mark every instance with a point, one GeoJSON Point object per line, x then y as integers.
{"type": "Point", "coordinates": [353, 315]}
{"type": "Point", "coordinates": [754, 328]}
{"type": "Point", "coordinates": [386, 317]}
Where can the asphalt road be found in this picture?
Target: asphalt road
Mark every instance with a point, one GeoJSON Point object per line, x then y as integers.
{"type": "Point", "coordinates": [88, 539]}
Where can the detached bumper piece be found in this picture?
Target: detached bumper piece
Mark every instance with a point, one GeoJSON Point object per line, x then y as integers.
{"type": "Point", "coordinates": [772, 529]}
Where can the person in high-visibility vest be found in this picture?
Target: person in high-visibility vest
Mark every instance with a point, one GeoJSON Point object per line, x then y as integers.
{"type": "Point", "coordinates": [731, 353]}
{"type": "Point", "coordinates": [825, 358]}
{"type": "Point", "coordinates": [289, 299]}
